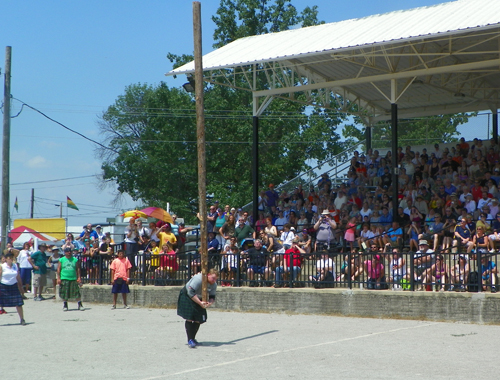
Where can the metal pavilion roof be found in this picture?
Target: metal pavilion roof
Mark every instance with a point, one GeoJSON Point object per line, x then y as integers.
{"type": "Point", "coordinates": [430, 60]}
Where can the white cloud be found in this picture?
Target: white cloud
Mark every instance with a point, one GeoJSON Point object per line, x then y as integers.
{"type": "Point", "coordinates": [37, 162]}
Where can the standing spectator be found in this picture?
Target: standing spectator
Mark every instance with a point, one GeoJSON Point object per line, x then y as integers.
{"type": "Point", "coordinates": [325, 227]}
{"type": "Point", "coordinates": [120, 274]}
{"type": "Point", "coordinates": [165, 234]}
{"type": "Point", "coordinates": [11, 289]}
{"type": "Point", "coordinates": [243, 231]}
{"type": "Point", "coordinates": [99, 232]}
{"type": "Point", "coordinates": [131, 242]}
{"type": "Point", "coordinates": [25, 267]}
{"type": "Point", "coordinates": [88, 232]}
{"type": "Point", "coordinates": [211, 218]}
{"type": "Point", "coordinates": [273, 197]}
{"type": "Point", "coordinates": [191, 307]}
{"type": "Point", "coordinates": [68, 278]}
{"type": "Point", "coordinates": [38, 261]}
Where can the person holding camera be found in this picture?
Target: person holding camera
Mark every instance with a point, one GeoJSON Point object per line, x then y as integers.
{"type": "Point", "coordinates": [131, 242]}
{"type": "Point", "coordinates": [324, 227]}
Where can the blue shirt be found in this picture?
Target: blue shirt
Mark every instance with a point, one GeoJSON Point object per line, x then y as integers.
{"type": "Point", "coordinates": [386, 220]}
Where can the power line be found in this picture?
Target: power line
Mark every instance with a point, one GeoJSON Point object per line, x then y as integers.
{"type": "Point", "coordinates": [51, 180]}
{"type": "Point", "coordinates": [69, 129]}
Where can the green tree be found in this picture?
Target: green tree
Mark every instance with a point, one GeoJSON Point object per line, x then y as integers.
{"type": "Point", "coordinates": [153, 128]}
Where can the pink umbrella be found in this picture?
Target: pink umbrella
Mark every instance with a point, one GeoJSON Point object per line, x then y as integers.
{"type": "Point", "coordinates": [158, 213]}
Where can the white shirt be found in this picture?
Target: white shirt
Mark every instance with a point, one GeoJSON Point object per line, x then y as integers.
{"type": "Point", "coordinates": [9, 274]}
{"type": "Point", "coordinates": [22, 259]}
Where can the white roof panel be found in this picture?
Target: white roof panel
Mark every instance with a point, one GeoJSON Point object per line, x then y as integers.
{"type": "Point", "coordinates": [383, 28]}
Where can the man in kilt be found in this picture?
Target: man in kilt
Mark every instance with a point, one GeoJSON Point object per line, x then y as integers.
{"type": "Point", "coordinates": [68, 278]}
{"type": "Point", "coordinates": [192, 308]}
{"type": "Point", "coordinates": [11, 286]}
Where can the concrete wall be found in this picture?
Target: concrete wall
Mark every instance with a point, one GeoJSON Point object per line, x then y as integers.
{"type": "Point", "coordinates": [448, 306]}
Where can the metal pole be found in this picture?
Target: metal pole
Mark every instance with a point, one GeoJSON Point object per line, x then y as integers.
{"type": "Point", "coordinates": [395, 170]}
{"type": "Point", "coordinates": [495, 125]}
{"type": "Point", "coordinates": [200, 132]}
{"type": "Point", "coordinates": [6, 148]}
{"type": "Point", "coordinates": [255, 169]}
{"type": "Point", "coordinates": [32, 202]}
{"type": "Point", "coordinates": [368, 135]}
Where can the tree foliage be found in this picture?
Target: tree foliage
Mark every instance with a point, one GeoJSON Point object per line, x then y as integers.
{"type": "Point", "coordinates": [419, 131]}
{"type": "Point", "coordinates": [153, 128]}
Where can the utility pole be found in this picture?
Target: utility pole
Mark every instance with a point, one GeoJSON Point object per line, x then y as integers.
{"type": "Point", "coordinates": [6, 148]}
{"type": "Point", "coordinates": [200, 134]}
{"type": "Point", "coordinates": [32, 202]}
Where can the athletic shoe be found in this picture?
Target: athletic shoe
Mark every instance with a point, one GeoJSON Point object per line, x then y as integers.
{"type": "Point", "coordinates": [113, 307]}
{"type": "Point", "coordinates": [65, 306]}
{"type": "Point", "coordinates": [40, 298]}
{"type": "Point", "coordinates": [23, 322]}
{"type": "Point", "coordinates": [80, 307]}
{"type": "Point", "coordinates": [493, 289]}
{"type": "Point", "coordinates": [3, 311]}
{"type": "Point", "coordinates": [191, 343]}
{"type": "Point", "coordinates": [126, 306]}
{"type": "Point", "coordinates": [197, 343]}
{"type": "Point", "coordinates": [36, 299]}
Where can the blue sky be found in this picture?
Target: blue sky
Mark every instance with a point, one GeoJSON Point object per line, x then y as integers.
{"type": "Point", "coordinates": [71, 59]}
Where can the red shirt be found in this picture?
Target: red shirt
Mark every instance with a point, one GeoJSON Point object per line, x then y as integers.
{"type": "Point", "coordinates": [297, 259]}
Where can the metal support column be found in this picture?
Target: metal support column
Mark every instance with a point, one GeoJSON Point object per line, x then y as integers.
{"type": "Point", "coordinates": [394, 147]}
{"type": "Point", "coordinates": [395, 169]}
{"type": "Point", "coordinates": [495, 125]}
{"type": "Point", "coordinates": [255, 169]}
{"type": "Point", "coordinates": [368, 135]}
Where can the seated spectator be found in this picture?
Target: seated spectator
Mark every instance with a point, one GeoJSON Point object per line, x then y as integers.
{"type": "Point", "coordinates": [257, 259]}
{"type": "Point", "coordinates": [287, 236]}
{"type": "Point", "coordinates": [414, 232]}
{"type": "Point", "coordinates": [305, 241]}
{"type": "Point", "coordinates": [375, 272]}
{"type": "Point", "coordinates": [394, 235]}
{"type": "Point", "coordinates": [436, 231]}
{"type": "Point", "coordinates": [459, 273]}
{"type": "Point", "coordinates": [489, 273]}
{"type": "Point", "coordinates": [463, 237]}
{"type": "Point", "coordinates": [366, 236]}
{"type": "Point", "coordinates": [397, 269]}
{"type": "Point", "coordinates": [437, 274]}
{"type": "Point", "coordinates": [325, 271]}
{"type": "Point", "coordinates": [424, 258]}
{"type": "Point", "coordinates": [495, 236]}
{"type": "Point", "coordinates": [291, 263]}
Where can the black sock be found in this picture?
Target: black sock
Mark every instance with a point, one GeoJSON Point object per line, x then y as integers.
{"type": "Point", "coordinates": [189, 330]}
{"type": "Point", "coordinates": [196, 327]}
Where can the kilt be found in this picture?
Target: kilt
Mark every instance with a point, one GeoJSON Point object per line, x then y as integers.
{"type": "Point", "coordinates": [120, 287]}
{"type": "Point", "coordinates": [188, 309]}
{"type": "Point", "coordinates": [69, 290]}
{"type": "Point", "coordinates": [10, 296]}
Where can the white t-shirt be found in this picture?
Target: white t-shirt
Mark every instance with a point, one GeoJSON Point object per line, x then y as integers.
{"type": "Point", "coordinates": [9, 274]}
{"type": "Point", "coordinates": [22, 259]}
{"type": "Point", "coordinates": [325, 263]}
